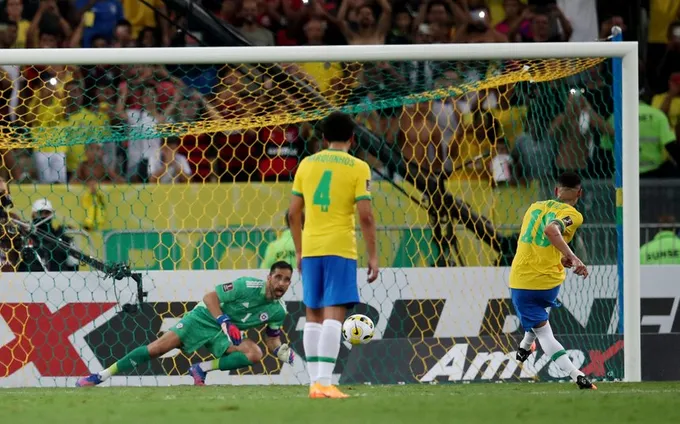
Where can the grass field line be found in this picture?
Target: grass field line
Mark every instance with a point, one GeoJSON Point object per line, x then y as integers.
{"type": "Point", "coordinates": [366, 392]}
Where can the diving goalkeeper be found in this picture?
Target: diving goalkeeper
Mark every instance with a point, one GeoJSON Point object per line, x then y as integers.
{"type": "Point", "coordinates": [216, 323]}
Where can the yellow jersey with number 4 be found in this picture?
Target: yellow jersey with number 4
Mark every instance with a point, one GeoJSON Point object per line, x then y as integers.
{"type": "Point", "coordinates": [537, 263]}
{"type": "Point", "coordinates": [331, 182]}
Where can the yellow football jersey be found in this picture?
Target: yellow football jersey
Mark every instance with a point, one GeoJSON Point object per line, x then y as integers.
{"type": "Point", "coordinates": [331, 182]}
{"type": "Point", "coordinates": [537, 265]}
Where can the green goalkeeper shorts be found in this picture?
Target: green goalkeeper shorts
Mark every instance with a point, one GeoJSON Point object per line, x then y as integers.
{"type": "Point", "coordinates": [197, 329]}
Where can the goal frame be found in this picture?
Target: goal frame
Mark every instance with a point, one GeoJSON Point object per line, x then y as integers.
{"type": "Point", "coordinates": [626, 97]}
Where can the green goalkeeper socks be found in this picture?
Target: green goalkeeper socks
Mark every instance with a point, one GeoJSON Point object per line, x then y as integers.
{"type": "Point", "coordinates": [228, 362]}
{"type": "Point", "coordinates": [128, 362]}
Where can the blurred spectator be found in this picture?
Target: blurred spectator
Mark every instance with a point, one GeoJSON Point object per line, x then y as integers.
{"type": "Point", "coordinates": [664, 249]}
{"type": "Point", "coordinates": [663, 43]}
{"type": "Point", "coordinates": [669, 61]}
{"type": "Point", "coordinates": [541, 30]}
{"type": "Point", "coordinates": [669, 102]}
{"type": "Point", "coordinates": [99, 18]}
{"type": "Point", "coordinates": [171, 167]}
{"type": "Point", "coordinates": [14, 10]}
{"type": "Point", "coordinates": [122, 34]}
{"type": "Point", "coordinates": [141, 16]}
{"type": "Point", "coordinates": [420, 140]}
{"type": "Point", "coordinates": [48, 28]}
{"type": "Point", "coordinates": [582, 18]}
{"type": "Point", "coordinates": [143, 148]}
{"type": "Point", "coordinates": [402, 28]}
{"type": "Point", "coordinates": [533, 155]}
{"type": "Point", "coordinates": [575, 129]}
{"type": "Point", "coordinates": [40, 253]}
{"type": "Point", "coordinates": [147, 38]}
{"type": "Point", "coordinates": [366, 30]}
{"type": "Point", "coordinates": [657, 143]}
{"type": "Point", "coordinates": [45, 111]}
{"type": "Point", "coordinates": [478, 136]}
{"type": "Point", "coordinates": [229, 11]}
{"type": "Point", "coordinates": [95, 169]}
{"type": "Point", "coordinates": [251, 29]}
{"type": "Point", "coordinates": [474, 26]}
{"type": "Point", "coordinates": [517, 22]}
{"type": "Point", "coordinates": [82, 125]}
{"type": "Point", "coordinates": [434, 12]}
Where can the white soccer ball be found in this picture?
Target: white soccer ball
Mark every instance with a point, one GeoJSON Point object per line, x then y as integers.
{"type": "Point", "coordinates": [358, 329]}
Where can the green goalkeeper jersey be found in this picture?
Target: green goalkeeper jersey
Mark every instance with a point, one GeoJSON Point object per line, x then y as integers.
{"type": "Point", "coordinates": [245, 302]}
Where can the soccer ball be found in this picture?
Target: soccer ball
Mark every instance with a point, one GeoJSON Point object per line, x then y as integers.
{"type": "Point", "coordinates": [358, 329]}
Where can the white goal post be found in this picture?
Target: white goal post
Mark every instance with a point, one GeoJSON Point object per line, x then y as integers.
{"type": "Point", "coordinates": [628, 139]}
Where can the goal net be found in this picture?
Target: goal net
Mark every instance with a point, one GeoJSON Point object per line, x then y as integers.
{"type": "Point", "coordinates": [184, 172]}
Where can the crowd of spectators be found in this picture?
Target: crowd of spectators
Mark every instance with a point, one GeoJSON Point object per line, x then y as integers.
{"type": "Point", "coordinates": [507, 134]}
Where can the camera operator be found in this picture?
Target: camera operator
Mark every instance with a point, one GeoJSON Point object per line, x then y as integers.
{"type": "Point", "coordinates": [40, 254]}
{"type": "Point", "coordinates": [10, 238]}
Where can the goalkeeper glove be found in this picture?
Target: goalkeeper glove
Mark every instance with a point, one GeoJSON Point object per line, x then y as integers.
{"type": "Point", "coordinates": [229, 329]}
{"type": "Point", "coordinates": [285, 354]}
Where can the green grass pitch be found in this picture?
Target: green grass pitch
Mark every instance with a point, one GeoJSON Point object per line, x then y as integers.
{"type": "Point", "coordinates": [507, 403]}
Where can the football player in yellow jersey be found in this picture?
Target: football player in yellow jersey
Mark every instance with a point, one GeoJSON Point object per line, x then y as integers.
{"type": "Point", "coordinates": [329, 185]}
{"type": "Point", "coordinates": [538, 271]}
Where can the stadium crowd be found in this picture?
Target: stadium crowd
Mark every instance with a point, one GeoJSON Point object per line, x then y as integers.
{"type": "Point", "coordinates": [494, 134]}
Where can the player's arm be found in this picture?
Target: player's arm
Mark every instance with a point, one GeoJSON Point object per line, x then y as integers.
{"type": "Point", "coordinates": [297, 205]}
{"type": "Point", "coordinates": [553, 231]}
{"type": "Point", "coordinates": [273, 341]}
{"type": "Point", "coordinates": [362, 197]}
{"type": "Point", "coordinates": [224, 293]}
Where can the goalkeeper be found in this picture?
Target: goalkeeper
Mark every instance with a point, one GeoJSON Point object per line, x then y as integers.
{"type": "Point", "coordinates": [216, 323]}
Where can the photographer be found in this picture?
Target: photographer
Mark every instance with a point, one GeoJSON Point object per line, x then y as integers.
{"type": "Point", "coordinates": [41, 254]}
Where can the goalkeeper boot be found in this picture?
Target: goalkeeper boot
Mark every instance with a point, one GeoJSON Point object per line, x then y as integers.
{"type": "Point", "coordinates": [89, 381]}
{"type": "Point", "coordinates": [584, 384]}
{"type": "Point", "coordinates": [524, 354]}
{"type": "Point", "coordinates": [198, 374]}
{"type": "Point", "coordinates": [333, 392]}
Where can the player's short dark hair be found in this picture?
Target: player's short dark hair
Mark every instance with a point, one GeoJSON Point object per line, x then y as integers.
{"type": "Point", "coordinates": [569, 180]}
{"type": "Point", "coordinates": [338, 127]}
{"type": "Point", "coordinates": [280, 265]}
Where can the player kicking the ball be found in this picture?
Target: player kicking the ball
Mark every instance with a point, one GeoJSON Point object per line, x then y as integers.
{"type": "Point", "coordinates": [328, 185]}
{"type": "Point", "coordinates": [216, 323]}
{"type": "Point", "coordinates": [538, 271]}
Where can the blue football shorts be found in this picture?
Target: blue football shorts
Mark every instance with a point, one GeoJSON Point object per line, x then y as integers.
{"type": "Point", "coordinates": [533, 306]}
{"type": "Point", "coordinates": [329, 281]}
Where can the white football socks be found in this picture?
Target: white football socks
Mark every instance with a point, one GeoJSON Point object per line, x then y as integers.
{"type": "Point", "coordinates": [311, 338]}
{"type": "Point", "coordinates": [329, 347]}
{"type": "Point", "coordinates": [556, 351]}
{"type": "Point", "coordinates": [528, 340]}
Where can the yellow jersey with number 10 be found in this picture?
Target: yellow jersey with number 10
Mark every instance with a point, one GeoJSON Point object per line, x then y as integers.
{"type": "Point", "coordinates": [331, 182]}
{"type": "Point", "coordinates": [537, 263]}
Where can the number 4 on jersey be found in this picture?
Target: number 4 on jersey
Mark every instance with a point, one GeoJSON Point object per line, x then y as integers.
{"type": "Point", "coordinates": [322, 194]}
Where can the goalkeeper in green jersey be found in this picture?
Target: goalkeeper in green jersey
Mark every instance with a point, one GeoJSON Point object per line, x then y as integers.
{"type": "Point", "coordinates": [216, 323]}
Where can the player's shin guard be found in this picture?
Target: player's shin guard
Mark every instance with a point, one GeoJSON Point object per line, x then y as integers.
{"type": "Point", "coordinates": [556, 351]}
{"type": "Point", "coordinates": [311, 342]}
{"type": "Point", "coordinates": [329, 347]}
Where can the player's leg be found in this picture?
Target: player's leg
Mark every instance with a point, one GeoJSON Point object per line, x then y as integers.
{"type": "Point", "coordinates": [241, 356]}
{"type": "Point", "coordinates": [312, 288]}
{"type": "Point", "coordinates": [138, 356]}
{"type": "Point", "coordinates": [340, 292]}
{"type": "Point", "coordinates": [528, 344]}
{"type": "Point", "coordinates": [536, 314]}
